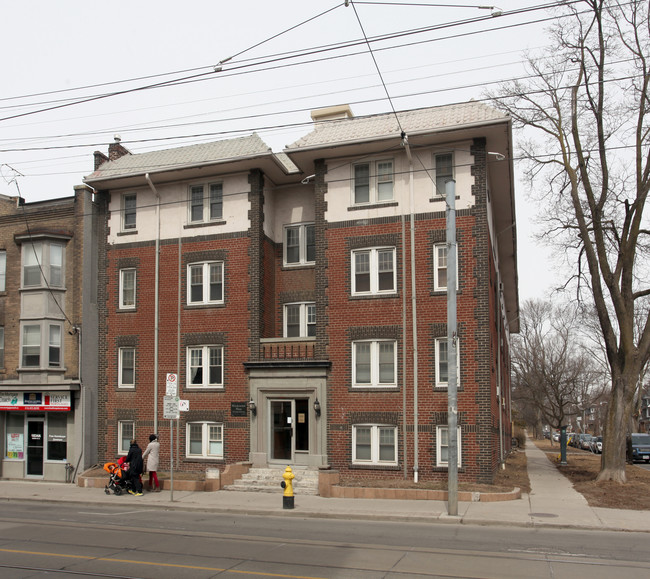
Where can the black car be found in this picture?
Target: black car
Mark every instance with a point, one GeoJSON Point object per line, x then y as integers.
{"type": "Point", "coordinates": [640, 447]}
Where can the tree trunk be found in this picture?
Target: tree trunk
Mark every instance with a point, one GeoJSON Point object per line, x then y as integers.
{"type": "Point", "coordinates": [613, 459]}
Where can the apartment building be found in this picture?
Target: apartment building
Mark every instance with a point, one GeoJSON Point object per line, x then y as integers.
{"type": "Point", "coordinates": [48, 395]}
{"type": "Point", "coordinates": [299, 299]}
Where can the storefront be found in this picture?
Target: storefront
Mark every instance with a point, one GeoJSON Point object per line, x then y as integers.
{"type": "Point", "coordinates": [37, 429]}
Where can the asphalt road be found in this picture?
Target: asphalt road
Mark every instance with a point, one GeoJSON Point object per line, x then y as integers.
{"type": "Point", "coordinates": [38, 539]}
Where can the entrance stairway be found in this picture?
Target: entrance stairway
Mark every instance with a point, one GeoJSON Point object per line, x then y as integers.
{"type": "Point", "coordinates": [268, 480]}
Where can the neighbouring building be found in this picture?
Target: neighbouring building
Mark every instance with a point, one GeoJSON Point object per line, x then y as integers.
{"type": "Point", "coordinates": [299, 300]}
{"type": "Point", "coordinates": [48, 319]}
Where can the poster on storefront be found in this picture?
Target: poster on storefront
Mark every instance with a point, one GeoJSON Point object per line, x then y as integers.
{"type": "Point", "coordinates": [15, 445]}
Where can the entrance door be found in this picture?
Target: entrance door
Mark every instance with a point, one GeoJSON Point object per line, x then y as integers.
{"type": "Point", "coordinates": [289, 428]}
{"type": "Point", "coordinates": [35, 444]}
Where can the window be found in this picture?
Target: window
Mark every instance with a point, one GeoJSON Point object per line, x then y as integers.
{"type": "Point", "coordinates": [129, 204]}
{"type": "Point", "coordinates": [374, 363]}
{"type": "Point", "coordinates": [300, 320]}
{"type": "Point", "coordinates": [374, 444]}
{"type": "Point", "coordinates": [2, 347]}
{"type": "Point", "coordinates": [444, 165]}
{"type": "Point", "coordinates": [43, 264]}
{"type": "Point", "coordinates": [31, 346]}
{"type": "Point", "coordinates": [127, 289]}
{"type": "Point", "coordinates": [125, 434]}
{"type": "Point", "coordinates": [126, 368]}
{"type": "Point", "coordinates": [442, 363]}
{"type": "Point", "coordinates": [54, 346]}
{"type": "Point", "coordinates": [3, 270]}
{"type": "Point", "coordinates": [373, 182]}
{"type": "Point", "coordinates": [57, 436]}
{"type": "Point", "coordinates": [442, 446]}
{"type": "Point", "coordinates": [206, 202]}
{"type": "Point", "coordinates": [204, 440]}
{"type": "Point", "coordinates": [205, 367]}
{"type": "Point", "coordinates": [440, 266]}
{"type": "Point", "coordinates": [15, 436]}
{"type": "Point", "coordinates": [373, 271]}
{"type": "Point", "coordinates": [299, 244]}
{"type": "Point", "coordinates": [205, 283]}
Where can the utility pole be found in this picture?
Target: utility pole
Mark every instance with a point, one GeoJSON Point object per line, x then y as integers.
{"type": "Point", "coordinates": [452, 394]}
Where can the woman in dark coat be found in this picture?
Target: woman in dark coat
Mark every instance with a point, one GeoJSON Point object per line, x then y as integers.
{"type": "Point", "coordinates": [134, 458]}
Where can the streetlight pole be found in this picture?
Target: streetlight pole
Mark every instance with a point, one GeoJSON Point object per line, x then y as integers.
{"type": "Point", "coordinates": [452, 394]}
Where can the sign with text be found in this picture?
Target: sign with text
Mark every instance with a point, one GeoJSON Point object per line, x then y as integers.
{"type": "Point", "coordinates": [171, 386]}
{"type": "Point", "coordinates": [238, 408]}
{"type": "Point", "coordinates": [41, 401]}
{"type": "Point", "coordinates": [170, 408]}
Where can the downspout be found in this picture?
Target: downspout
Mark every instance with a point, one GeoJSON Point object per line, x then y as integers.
{"type": "Point", "coordinates": [404, 353]}
{"type": "Point", "coordinates": [499, 384]}
{"type": "Point", "coordinates": [156, 306]}
{"type": "Point", "coordinates": [415, 316]}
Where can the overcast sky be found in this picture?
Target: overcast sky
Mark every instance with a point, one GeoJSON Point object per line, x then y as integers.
{"type": "Point", "coordinates": [75, 73]}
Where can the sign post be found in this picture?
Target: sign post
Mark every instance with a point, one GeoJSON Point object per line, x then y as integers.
{"type": "Point", "coordinates": [171, 412]}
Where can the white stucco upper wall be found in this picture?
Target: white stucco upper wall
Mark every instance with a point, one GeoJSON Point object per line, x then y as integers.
{"type": "Point", "coordinates": [340, 179]}
{"type": "Point", "coordinates": [291, 205]}
{"type": "Point", "coordinates": [174, 211]}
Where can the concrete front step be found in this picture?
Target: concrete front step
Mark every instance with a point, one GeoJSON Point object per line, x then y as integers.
{"type": "Point", "coordinates": [270, 479]}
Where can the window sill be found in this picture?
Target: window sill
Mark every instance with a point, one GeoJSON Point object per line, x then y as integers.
{"type": "Point", "coordinates": [373, 296]}
{"type": "Point", "coordinates": [216, 222]}
{"type": "Point", "coordinates": [126, 310]}
{"type": "Point", "coordinates": [129, 232]}
{"type": "Point", "coordinates": [374, 388]}
{"type": "Point", "coordinates": [378, 205]}
{"type": "Point", "coordinates": [306, 265]}
{"type": "Point", "coordinates": [205, 306]}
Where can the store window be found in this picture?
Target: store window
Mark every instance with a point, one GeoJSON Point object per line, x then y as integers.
{"type": "Point", "coordinates": [57, 436]}
{"type": "Point", "coordinates": [15, 436]}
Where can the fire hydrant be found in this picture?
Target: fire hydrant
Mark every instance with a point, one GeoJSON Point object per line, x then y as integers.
{"type": "Point", "coordinates": [287, 485]}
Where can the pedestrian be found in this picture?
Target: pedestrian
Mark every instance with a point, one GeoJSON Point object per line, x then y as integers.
{"type": "Point", "coordinates": [134, 458]}
{"type": "Point", "coordinates": [152, 454]}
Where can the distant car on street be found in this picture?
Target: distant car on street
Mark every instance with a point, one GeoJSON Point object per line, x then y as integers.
{"type": "Point", "coordinates": [556, 436]}
{"type": "Point", "coordinates": [640, 447]}
{"type": "Point", "coordinates": [585, 441]}
{"type": "Point", "coordinates": [596, 444]}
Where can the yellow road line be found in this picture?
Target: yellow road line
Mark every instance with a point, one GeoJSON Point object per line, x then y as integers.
{"type": "Point", "coordinates": [152, 564]}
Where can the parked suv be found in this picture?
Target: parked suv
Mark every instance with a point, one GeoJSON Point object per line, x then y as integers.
{"type": "Point", "coordinates": [640, 447]}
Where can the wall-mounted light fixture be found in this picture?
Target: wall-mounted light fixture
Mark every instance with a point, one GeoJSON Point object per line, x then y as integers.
{"type": "Point", "coordinates": [253, 407]}
{"type": "Point", "coordinates": [317, 407]}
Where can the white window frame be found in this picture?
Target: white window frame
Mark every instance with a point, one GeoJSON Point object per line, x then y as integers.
{"type": "Point", "coordinates": [205, 267]}
{"type": "Point", "coordinates": [121, 382]}
{"type": "Point", "coordinates": [205, 352]}
{"type": "Point", "coordinates": [206, 431]}
{"type": "Point", "coordinates": [3, 270]}
{"type": "Point", "coordinates": [38, 258]}
{"type": "Point", "coordinates": [439, 381]}
{"type": "Point", "coordinates": [306, 319]}
{"type": "Point", "coordinates": [303, 246]}
{"type": "Point", "coordinates": [129, 207]}
{"type": "Point", "coordinates": [440, 188]}
{"type": "Point", "coordinates": [439, 263]}
{"type": "Point", "coordinates": [376, 178]}
{"type": "Point", "coordinates": [375, 355]}
{"type": "Point", "coordinates": [126, 301]}
{"type": "Point", "coordinates": [121, 424]}
{"type": "Point", "coordinates": [375, 444]}
{"type": "Point", "coordinates": [208, 204]}
{"type": "Point", "coordinates": [439, 433]}
{"type": "Point", "coordinates": [48, 342]}
{"type": "Point", "coordinates": [374, 272]}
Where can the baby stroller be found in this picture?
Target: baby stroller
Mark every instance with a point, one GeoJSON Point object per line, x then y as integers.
{"type": "Point", "coordinates": [119, 480]}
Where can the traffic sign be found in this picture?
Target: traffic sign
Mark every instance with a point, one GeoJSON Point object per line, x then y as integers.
{"type": "Point", "coordinates": [171, 385]}
{"type": "Point", "coordinates": [170, 408]}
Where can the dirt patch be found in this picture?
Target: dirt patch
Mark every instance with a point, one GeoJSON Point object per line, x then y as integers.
{"type": "Point", "coordinates": [583, 468]}
{"type": "Point", "coordinates": [514, 475]}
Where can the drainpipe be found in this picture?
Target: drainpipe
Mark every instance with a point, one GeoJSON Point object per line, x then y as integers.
{"type": "Point", "coordinates": [415, 316]}
{"type": "Point", "coordinates": [156, 306]}
{"type": "Point", "coordinates": [499, 384]}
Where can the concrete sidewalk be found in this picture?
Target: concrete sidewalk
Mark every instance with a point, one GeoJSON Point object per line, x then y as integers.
{"type": "Point", "coordinates": [552, 502]}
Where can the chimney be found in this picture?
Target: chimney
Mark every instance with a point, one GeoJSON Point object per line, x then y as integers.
{"type": "Point", "coordinates": [116, 150]}
{"type": "Point", "coordinates": [334, 113]}
{"type": "Point", "coordinates": [100, 159]}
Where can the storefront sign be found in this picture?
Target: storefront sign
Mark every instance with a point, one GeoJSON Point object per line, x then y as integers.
{"type": "Point", "coordinates": [31, 401]}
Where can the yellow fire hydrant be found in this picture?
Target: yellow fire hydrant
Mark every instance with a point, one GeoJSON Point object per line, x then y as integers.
{"type": "Point", "coordinates": [287, 485]}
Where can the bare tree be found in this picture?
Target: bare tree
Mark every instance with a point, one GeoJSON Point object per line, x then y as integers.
{"type": "Point", "coordinates": [553, 376]}
{"type": "Point", "coordinates": [588, 101]}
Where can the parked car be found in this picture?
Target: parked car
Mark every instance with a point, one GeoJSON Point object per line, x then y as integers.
{"type": "Point", "coordinates": [596, 444]}
{"type": "Point", "coordinates": [585, 441]}
{"type": "Point", "coordinates": [640, 447]}
{"type": "Point", "coordinates": [556, 436]}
